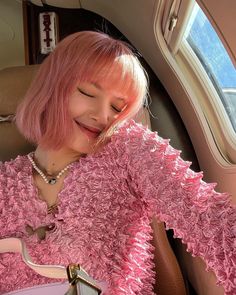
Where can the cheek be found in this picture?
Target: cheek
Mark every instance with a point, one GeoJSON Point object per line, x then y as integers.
{"type": "Point", "coordinates": [77, 106]}
{"type": "Point", "coordinates": [113, 119]}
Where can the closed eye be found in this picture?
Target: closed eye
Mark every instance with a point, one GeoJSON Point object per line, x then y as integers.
{"type": "Point", "coordinates": [85, 93]}
{"type": "Point", "coordinates": [119, 109]}
{"type": "Point", "coordinates": [116, 109]}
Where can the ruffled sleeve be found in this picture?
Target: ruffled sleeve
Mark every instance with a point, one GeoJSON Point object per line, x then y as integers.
{"type": "Point", "coordinates": [201, 217]}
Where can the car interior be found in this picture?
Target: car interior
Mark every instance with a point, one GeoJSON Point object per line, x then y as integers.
{"type": "Point", "coordinates": [176, 271]}
{"type": "Point", "coordinates": [14, 82]}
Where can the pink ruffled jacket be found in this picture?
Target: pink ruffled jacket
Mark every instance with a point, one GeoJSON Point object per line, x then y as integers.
{"type": "Point", "coordinates": [104, 211]}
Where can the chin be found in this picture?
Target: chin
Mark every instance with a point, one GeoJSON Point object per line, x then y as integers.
{"type": "Point", "coordinates": [80, 148]}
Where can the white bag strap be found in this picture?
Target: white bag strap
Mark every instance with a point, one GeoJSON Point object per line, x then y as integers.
{"type": "Point", "coordinates": [18, 246]}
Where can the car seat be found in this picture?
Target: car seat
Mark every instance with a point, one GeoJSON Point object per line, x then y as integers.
{"type": "Point", "coordinates": [14, 82]}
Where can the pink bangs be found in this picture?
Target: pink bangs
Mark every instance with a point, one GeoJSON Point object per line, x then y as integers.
{"type": "Point", "coordinates": [131, 79]}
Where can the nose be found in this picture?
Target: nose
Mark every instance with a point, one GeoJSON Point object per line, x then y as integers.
{"type": "Point", "coordinates": [101, 114]}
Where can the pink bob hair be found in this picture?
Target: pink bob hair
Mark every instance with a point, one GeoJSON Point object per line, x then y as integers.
{"type": "Point", "coordinates": [43, 116]}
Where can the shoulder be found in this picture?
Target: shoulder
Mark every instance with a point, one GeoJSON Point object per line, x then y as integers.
{"type": "Point", "coordinates": [12, 167]}
{"type": "Point", "coordinates": [137, 138]}
{"type": "Point", "coordinates": [13, 174]}
{"type": "Point", "coordinates": [141, 148]}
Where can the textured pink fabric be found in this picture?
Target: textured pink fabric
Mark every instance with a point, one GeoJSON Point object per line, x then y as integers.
{"type": "Point", "coordinates": [48, 289]}
{"type": "Point", "coordinates": [104, 212]}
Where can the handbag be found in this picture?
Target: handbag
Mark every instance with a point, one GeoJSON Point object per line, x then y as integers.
{"type": "Point", "coordinates": [78, 281]}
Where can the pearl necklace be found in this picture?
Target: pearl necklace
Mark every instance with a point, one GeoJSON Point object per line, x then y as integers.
{"type": "Point", "coordinates": [51, 180]}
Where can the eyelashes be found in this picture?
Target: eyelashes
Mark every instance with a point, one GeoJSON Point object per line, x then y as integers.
{"type": "Point", "coordinates": [114, 108]}
{"type": "Point", "coordinates": [85, 93]}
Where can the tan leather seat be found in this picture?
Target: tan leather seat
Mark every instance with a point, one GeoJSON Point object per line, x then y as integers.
{"type": "Point", "coordinates": [14, 82]}
{"type": "Point", "coordinates": [13, 85]}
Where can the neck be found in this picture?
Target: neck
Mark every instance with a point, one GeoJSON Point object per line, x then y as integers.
{"type": "Point", "coordinates": [52, 161]}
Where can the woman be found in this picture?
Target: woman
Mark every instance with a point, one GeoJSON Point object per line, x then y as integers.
{"type": "Point", "coordinates": [96, 178]}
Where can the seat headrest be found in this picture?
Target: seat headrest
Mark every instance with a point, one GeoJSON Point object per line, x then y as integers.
{"type": "Point", "coordinates": [14, 83]}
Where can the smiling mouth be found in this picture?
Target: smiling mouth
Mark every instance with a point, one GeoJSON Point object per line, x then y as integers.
{"type": "Point", "coordinates": [89, 131]}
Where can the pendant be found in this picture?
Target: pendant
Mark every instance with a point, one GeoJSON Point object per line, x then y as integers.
{"type": "Point", "coordinates": [52, 181]}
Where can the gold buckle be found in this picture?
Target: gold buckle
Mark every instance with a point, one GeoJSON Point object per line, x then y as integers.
{"type": "Point", "coordinates": [74, 277]}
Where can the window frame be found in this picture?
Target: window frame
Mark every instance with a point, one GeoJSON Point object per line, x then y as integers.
{"type": "Point", "coordinates": [205, 93]}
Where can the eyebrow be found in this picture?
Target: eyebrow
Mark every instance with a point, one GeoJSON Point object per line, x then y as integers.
{"type": "Point", "coordinates": [97, 85]}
